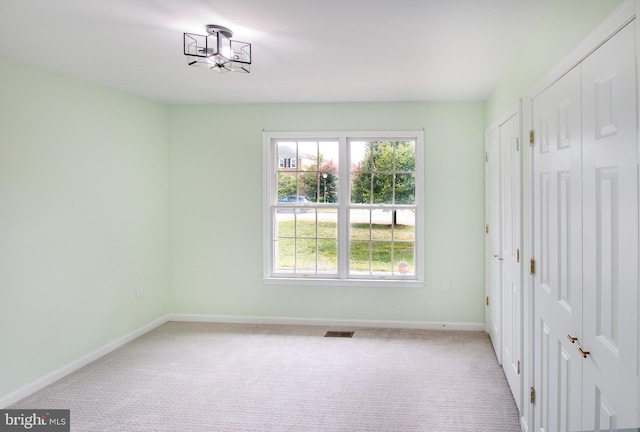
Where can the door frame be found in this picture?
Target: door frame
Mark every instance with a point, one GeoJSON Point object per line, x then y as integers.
{"type": "Point", "coordinates": [515, 110]}
{"type": "Point", "coordinates": [493, 302]}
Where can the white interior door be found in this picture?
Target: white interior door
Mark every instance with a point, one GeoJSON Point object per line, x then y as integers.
{"type": "Point", "coordinates": [510, 180]}
{"type": "Point", "coordinates": [586, 244]}
{"type": "Point", "coordinates": [493, 263]}
{"type": "Point", "coordinates": [610, 186]}
{"type": "Point", "coordinates": [558, 254]}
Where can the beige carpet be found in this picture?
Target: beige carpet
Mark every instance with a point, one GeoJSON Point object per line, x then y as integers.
{"type": "Point", "coordinates": [236, 377]}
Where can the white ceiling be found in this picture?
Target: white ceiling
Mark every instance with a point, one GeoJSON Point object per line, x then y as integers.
{"type": "Point", "coordinates": [303, 50]}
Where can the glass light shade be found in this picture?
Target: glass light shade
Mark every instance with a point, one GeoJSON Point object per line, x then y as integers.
{"type": "Point", "coordinates": [217, 52]}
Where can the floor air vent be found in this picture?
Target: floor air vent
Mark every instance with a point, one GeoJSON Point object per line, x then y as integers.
{"type": "Point", "coordinates": [339, 334]}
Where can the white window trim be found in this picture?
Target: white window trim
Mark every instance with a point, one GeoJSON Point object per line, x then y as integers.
{"type": "Point", "coordinates": [269, 193]}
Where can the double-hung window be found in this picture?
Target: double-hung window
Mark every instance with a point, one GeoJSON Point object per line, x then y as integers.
{"type": "Point", "coordinates": [346, 208]}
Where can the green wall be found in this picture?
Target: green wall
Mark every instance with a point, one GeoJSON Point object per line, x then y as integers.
{"type": "Point", "coordinates": [566, 24]}
{"type": "Point", "coordinates": [83, 219]}
{"type": "Point", "coordinates": [216, 212]}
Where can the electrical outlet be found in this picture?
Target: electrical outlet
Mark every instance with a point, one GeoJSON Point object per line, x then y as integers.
{"type": "Point", "coordinates": [445, 286]}
{"type": "Point", "coordinates": [139, 291]}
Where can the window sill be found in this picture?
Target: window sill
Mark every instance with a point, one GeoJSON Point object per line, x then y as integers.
{"type": "Point", "coordinates": [408, 283]}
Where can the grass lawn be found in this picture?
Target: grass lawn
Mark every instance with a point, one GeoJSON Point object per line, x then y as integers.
{"type": "Point", "coordinates": [369, 243]}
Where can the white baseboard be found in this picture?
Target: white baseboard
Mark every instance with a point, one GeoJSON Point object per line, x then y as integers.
{"type": "Point", "coordinates": [327, 322]}
{"type": "Point", "coordinates": [54, 376]}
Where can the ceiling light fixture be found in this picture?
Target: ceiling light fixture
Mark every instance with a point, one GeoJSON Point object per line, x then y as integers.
{"type": "Point", "coordinates": [217, 51]}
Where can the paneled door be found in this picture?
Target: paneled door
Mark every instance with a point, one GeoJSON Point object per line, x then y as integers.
{"type": "Point", "coordinates": [558, 254]}
{"type": "Point", "coordinates": [493, 263]}
{"type": "Point", "coordinates": [610, 215]}
{"type": "Point", "coordinates": [510, 179]}
{"type": "Point", "coordinates": [585, 181]}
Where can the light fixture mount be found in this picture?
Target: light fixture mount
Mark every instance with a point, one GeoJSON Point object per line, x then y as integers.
{"type": "Point", "coordinates": [212, 29]}
{"type": "Point", "coordinates": [217, 51]}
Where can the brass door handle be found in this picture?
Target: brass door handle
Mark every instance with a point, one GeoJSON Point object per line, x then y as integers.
{"type": "Point", "coordinates": [583, 353]}
{"type": "Point", "coordinates": [572, 339]}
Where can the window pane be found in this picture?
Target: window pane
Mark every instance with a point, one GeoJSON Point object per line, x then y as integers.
{"type": "Point", "coordinates": [318, 180]}
{"type": "Point", "coordinates": [329, 154]}
{"type": "Point", "coordinates": [357, 151]}
{"type": "Point", "coordinates": [360, 257]}
{"type": "Point", "coordinates": [285, 259]}
{"type": "Point", "coordinates": [287, 185]}
{"type": "Point", "coordinates": [405, 226]}
{"type": "Point", "coordinates": [307, 153]}
{"type": "Point", "coordinates": [405, 192]}
{"type": "Point", "coordinates": [328, 185]}
{"type": "Point", "coordinates": [306, 255]}
{"type": "Point", "coordinates": [381, 257]}
{"type": "Point", "coordinates": [306, 224]}
{"type": "Point", "coordinates": [287, 155]}
{"type": "Point", "coordinates": [382, 154]}
{"type": "Point", "coordinates": [328, 168]}
{"type": "Point", "coordinates": [381, 226]}
{"type": "Point", "coordinates": [309, 185]}
{"type": "Point", "coordinates": [361, 187]}
{"type": "Point", "coordinates": [360, 224]}
{"type": "Point", "coordinates": [403, 256]}
{"type": "Point", "coordinates": [405, 156]}
{"type": "Point", "coordinates": [328, 256]}
{"type": "Point", "coordinates": [327, 223]}
{"type": "Point", "coordinates": [383, 188]}
{"type": "Point", "coordinates": [285, 223]}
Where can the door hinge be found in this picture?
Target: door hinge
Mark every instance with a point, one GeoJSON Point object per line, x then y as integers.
{"type": "Point", "coordinates": [532, 395]}
{"type": "Point", "coordinates": [531, 137]}
{"type": "Point", "coordinates": [518, 366]}
{"type": "Point", "coordinates": [486, 157]}
{"type": "Point", "coordinates": [486, 229]}
{"type": "Point", "coordinates": [532, 266]}
{"type": "Point", "coordinates": [517, 255]}
{"type": "Point", "coordinates": [487, 300]}
{"type": "Point", "coordinates": [517, 144]}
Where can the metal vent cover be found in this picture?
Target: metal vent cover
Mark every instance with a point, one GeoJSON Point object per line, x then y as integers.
{"type": "Point", "coordinates": [339, 334]}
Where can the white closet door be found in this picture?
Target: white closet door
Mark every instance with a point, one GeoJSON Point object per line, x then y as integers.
{"type": "Point", "coordinates": [557, 252]}
{"type": "Point", "coordinates": [493, 263]}
{"type": "Point", "coordinates": [510, 253]}
{"type": "Point", "coordinates": [610, 186]}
